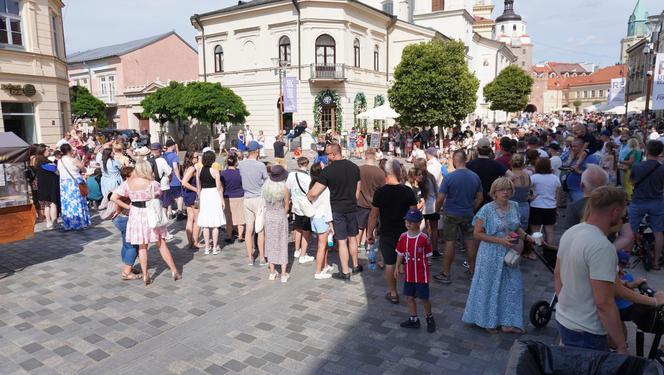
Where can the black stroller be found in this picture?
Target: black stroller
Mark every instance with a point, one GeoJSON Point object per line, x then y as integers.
{"type": "Point", "coordinates": [541, 311]}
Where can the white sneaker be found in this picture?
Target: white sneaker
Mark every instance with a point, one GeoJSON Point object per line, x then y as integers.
{"type": "Point", "coordinates": [322, 276]}
{"type": "Point", "coordinates": [207, 251]}
{"type": "Point", "coordinates": [284, 277]}
{"type": "Point", "coordinates": [216, 250]}
{"type": "Point", "coordinates": [306, 259]}
{"type": "Point", "coordinates": [297, 253]}
{"type": "Point", "coordinates": [273, 276]}
{"type": "Point", "coordinates": [328, 269]}
{"type": "Point", "coordinates": [168, 236]}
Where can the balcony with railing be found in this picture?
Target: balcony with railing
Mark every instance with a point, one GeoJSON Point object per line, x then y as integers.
{"type": "Point", "coordinates": [108, 97]}
{"type": "Point", "coordinates": [328, 72]}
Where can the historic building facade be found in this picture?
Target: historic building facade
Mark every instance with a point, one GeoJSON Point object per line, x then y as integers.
{"type": "Point", "coordinates": [122, 75]}
{"type": "Point", "coordinates": [34, 96]}
{"type": "Point", "coordinates": [511, 29]}
{"type": "Point", "coordinates": [636, 30]}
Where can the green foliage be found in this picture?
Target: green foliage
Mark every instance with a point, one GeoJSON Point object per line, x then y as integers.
{"type": "Point", "coordinates": [509, 91]}
{"type": "Point", "coordinates": [213, 104]}
{"type": "Point", "coordinates": [359, 106]}
{"type": "Point", "coordinates": [318, 108]}
{"type": "Point", "coordinates": [165, 104]}
{"type": "Point", "coordinates": [84, 105]}
{"type": "Point", "coordinates": [577, 104]}
{"type": "Point", "coordinates": [432, 85]}
{"type": "Point", "coordinates": [379, 100]}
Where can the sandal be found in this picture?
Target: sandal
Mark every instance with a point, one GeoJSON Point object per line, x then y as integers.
{"type": "Point", "coordinates": [131, 276]}
{"type": "Point", "coordinates": [492, 331]}
{"type": "Point", "coordinates": [393, 299]}
{"type": "Point", "coordinates": [518, 331]}
{"type": "Point", "coordinates": [531, 256]}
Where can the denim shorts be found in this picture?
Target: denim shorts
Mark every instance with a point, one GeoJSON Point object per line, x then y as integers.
{"type": "Point", "coordinates": [582, 339]}
{"type": "Point", "coordinates": [319, 225]}
{"type": "Point", "coordinates": [654, 210]}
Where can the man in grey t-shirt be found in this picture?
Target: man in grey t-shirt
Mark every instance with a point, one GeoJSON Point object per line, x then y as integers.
{"type": "Point", "coordinates": [586, 269]}
{"type": "Point", "coordinates": [254, 174]}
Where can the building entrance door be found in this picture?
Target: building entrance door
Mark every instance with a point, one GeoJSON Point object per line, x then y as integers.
{"type": "Point", "coordinates": [326, 119]}
{"type": "Point", "coordinates": [19, 118]}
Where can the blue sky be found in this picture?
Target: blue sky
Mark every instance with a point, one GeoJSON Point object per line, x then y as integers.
{"type": "Point", "coordinates": [562, 30]}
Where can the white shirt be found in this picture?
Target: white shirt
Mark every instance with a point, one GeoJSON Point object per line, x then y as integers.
{"type": "Point", "coordinates": [435, 168]}
{"type": "Point", "coordinates": [294, 188]}
{"type": "Point", "coordinates": [544, 190]}
{"type": "Point", "coordinates": [653, 136]}
{"type": "Point", "coordinates": [416, 154]}
{"type": "Point", "coordinates": [60, 143]}
{"type": "Point", "coordinates": [556, 163]}
{"type": "Point", "coordinates": [222, 139]}
{"type": "Point", "coordinates": [322, 206]}
{"type": "Point", "coordinates": [584, 254]}
{"type": "Point", "coordinates": [164, 170]}
{"type": "Point", "coordinates": [67, 169]}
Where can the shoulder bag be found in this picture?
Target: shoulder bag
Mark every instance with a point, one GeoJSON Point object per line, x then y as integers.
{"type": "Point", "coordinates": [82, 186]}
{"type": "Point", "coordinates": [156, 216]}
{"type": "Point", "coordinates": [645, 177]}
{"type": "Point", "coordinates": [303, 203]}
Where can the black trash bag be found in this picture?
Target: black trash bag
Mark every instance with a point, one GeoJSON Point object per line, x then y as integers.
{"type": "Point", "coordinates": [536, 358]}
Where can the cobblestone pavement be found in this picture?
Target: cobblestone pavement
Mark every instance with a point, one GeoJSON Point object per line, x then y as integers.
{"type": "Point", "coordinates": [64, 310]}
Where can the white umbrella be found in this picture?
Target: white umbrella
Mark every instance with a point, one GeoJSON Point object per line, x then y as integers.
{"type": "Point", "coordinates": [382, 112]}
{"type": "Point", "coordinates": [591, 108]}
{"type": "Point", "coordinates": [563, 109]}
{"type": "Point", "coordinates": [617, 110]}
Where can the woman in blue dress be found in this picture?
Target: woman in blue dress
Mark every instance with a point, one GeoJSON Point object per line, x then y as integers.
{"type": "Point", "coordinates": [74, 207]}
{"type": "Point", "coordinates": [495, 299]}
{"type": "Point", "coordinates": [240, 141]}
{"type": "Point", "coordinates": [110, 172]}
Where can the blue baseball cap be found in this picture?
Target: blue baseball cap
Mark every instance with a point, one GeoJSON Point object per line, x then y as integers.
{"type": "Point", "coordinates": [414, 216]}
{"type": "Point", "coordinates": [253, 146]}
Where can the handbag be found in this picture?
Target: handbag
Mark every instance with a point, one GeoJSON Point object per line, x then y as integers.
{"type": "Point", "coordinates": [156, 216]}
{"type": "Point", "coordinates": [303, 203]}
{"type": "Point", "coordinates": [82, 186]}
{"type": "Point", "coordinates": [259, 223]}
{"type": "Point", "coordinates": [512, 258]}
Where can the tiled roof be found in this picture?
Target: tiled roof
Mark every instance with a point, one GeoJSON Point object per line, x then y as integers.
{"type": "Point", "coordinates": [483, 20]}
{"type": "Point", "coordinates": [602, 76]}
{"type": "Point", "coordinates": [115, 50]}
{"type": "Point", "coordinates": [241, 5]}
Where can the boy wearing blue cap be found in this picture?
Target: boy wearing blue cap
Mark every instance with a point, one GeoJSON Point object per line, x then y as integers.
{"type": "Point", "coordinates": [413, 251]}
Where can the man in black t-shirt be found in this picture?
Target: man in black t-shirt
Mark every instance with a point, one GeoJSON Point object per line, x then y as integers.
{"type": "Point", "coordinates": [279, 153]}
{"type": "Point", "coordinates": [488, 169]}
{"type": "Point", "coordinates": [342, 177]}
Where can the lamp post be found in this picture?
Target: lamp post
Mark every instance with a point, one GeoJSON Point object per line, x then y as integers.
{"type": "Point", "coordinates": [280, 69]}
{"type": "Point", "coordinates": [649, 50]}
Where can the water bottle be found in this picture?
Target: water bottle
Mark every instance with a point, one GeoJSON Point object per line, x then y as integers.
{"type": "Point", "coordinates": [330, 240]}
{"type": "Point", "coordinates": [371, 255]}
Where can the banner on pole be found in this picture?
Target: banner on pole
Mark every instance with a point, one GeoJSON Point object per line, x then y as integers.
{"type": "Point", "coordinates": [616, 92]}
{"type": "Point", "coordinates": [658, 84]}
{"type": "Point", "coordinates": [289, 90]}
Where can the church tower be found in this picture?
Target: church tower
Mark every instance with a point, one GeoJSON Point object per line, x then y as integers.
{"type": "Point", "coordinates": [484, 24]}
{"type": "Point", "coordinates": [636, 29]}
{"type": "Point", "coordinates": [511, 30]}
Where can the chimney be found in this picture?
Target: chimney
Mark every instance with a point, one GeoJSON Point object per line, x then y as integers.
{"type": "Point", "coordinates": [402, 12]}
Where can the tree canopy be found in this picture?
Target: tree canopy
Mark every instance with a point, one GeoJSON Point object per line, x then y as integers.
{"type": "Point", "coordinates": [510, 90]}
{"type": "Point", "coordinates": [212, 103]}
{"type": "Point", "coordinates": [165, 104]}
{"type": "Point", "coordinates": [84, 105]}
{"type": "Point", "coordinates": [432, 85]}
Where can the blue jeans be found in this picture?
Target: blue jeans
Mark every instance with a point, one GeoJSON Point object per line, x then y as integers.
{"type": "Point", "coordinates": [655, 211]}
{"type": "Point", "coordinates": [129, 252]}
{"type": "Point", "coordinates": [575, 195]}
{"type": "Point", "coordinates": [582, 339]}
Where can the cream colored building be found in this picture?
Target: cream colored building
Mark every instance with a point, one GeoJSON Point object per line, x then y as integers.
{"type": "Point", "coordinates": [34, 93]}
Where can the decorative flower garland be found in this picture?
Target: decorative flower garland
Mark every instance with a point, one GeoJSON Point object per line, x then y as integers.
{"type": "Point", "coordinates": [318, 107]}
{"type": "Point", "coordinates": [359, 106]}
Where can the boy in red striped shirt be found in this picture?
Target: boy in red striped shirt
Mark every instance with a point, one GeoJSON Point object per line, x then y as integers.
{"type": "Point", "coordinates": [413, 250]}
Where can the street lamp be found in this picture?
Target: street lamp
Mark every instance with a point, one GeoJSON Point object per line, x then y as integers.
{"type": "Point", "coordinates": [280, 69]}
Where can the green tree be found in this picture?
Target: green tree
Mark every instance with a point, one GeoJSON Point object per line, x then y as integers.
{"type": "Point", "coordinates": [432, 85]}
{"type": "Point", "coordinates": [577, 104]}
{"type": "Point", "coordinates": [211, 103]}
{"type": "Point", "coordinates": [510, 90]}
{"type": "Point", "coordinates": [84, 105]}
{"type": "Point", "coordinates": [165, 104]}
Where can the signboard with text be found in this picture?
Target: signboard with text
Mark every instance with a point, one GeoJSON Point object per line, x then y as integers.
{"type": "Point", "coordinates": [289, 90]}
{"type": "Point", "coordinates": [658, 84]}
{"type": "Point", "coordinates": [617, 92]}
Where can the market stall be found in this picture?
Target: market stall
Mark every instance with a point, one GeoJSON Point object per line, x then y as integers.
{"type": "Point", "coordinates": [17, 213]}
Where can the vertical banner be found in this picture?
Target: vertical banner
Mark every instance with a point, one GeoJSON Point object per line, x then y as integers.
{"type": "Point", "coordinates": [289, 90]}
{"type": "Point", "coordinates": [658, 84]}
{"type": "Point", "coordinates": [617, 92]}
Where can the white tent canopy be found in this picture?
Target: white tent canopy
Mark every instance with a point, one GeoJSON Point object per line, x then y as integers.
{"type": "Point", "coordinates": [563, 109]}
{"type": "Point", "coordinates": [591, 108]}
{"type": "Point", "coordinates": [382, 112]}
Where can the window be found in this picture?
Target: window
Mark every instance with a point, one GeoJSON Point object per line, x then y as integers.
{"type": "Point", "coordinates": [585, 94]}
{"type": "Point", "coordinates": [523, 51]}
{"type": "Point", "coordinates": [218, 59]}
{"type": "Point", "coordinates": [111, 88]}
{"type": "Point", "coordinates": [388, 7]}
{"type": "Point", "coordinates": [601, 93]}
{"type": "Point", "coordinates": [502, 28]}
{"type": "Point", "coordinates": [376, 59]}
{"type": "Point", "coordinates": [54, 35]}
{"type": "Point", "coordinates": [10, 23]}
{"type": "Point", "coordinates": [592, 93]}
{"type": "Point", "coordinates": [325, 50]}
{"type": "Point", "coordinates": [284, 50]}
{"type": "Point", "coordinates": [356, 53]}
{"type": "Point", "coordinates": [103, 86]}
{"type": "Point", "coordinates": [513, 27]}
{"type": "Point", "coordinates": [523, 63]}
{"type": "Point", "coordinates": [19, 118]}
{"type": "Point", "coordinates": [437, 5]}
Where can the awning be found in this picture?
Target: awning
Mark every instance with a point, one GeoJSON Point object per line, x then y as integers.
{"type": "Point", "coordinates": [382, 112]}
{"type": "Point", "coordinates": [13, 149]}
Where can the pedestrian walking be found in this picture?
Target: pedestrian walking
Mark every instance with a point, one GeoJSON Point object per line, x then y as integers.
{"type": "Point", "coordinates": [74, 208]}
{"type": "Point", "coordinates": [48, 186]}
{"type": "Point", "coordinates": [211, 195]}
{"type": "Point", "coordinates": [254, 174]}
{"type": "Point", "coordinates": [190, 196]}
{"type": "Point", "coordinates": [233, 199]}
{"type": "Point", "coordinates": [321, 224]}
{"type": "Point", "coordinates": [298, 185]}
{"type": "Point", "coordinates": [277, 200]}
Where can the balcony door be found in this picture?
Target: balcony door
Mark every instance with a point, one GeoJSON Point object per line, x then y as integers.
{"type": "Point", "coordinates": [325, 53]}
{"type": "Point", "coordinates": [326, 118]}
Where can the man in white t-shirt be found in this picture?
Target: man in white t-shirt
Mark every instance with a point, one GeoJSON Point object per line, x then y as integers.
{"type": "Point", "coordinates": [222, 142]}
{"type": "Point", "coordinates": [64, 140]}
{"type": "Point", "coordinates": [433, 165]}
{"type": "Point", "coordinates": [298, 186]}
{"type": "Point", "coordinates": [586, 269]}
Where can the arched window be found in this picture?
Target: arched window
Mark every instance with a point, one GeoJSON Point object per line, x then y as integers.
{"type": "Point", "coordinates": [325, 50]}
{"type": "Point", "coordinates": [284, 50]}
{"type": "Point", "coordinates": [356, 52]}
{"type": "Point", "coordinates": [502, 28]}
{"type": "Point", "coordinates": [376, 58]}
{"type": "Point", "coordinates": [514, 28]}
{"type": "Point", "coordinates": [218, 59]}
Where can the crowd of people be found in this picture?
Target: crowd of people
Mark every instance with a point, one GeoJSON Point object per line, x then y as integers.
{"type": "Point", "coordinates": [496, 193]}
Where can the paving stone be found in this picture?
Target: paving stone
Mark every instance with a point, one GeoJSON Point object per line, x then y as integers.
{"type": "Point", "coordinates": [245, 338]}
{"type": "Point", "coordinates": [215, 370]}
{"type": "Point", "coordinates": [31, 364]}
{"type": "Point", "coordinates": [126, 342]}
{"type": "Point", "coordinates": [234, 365]}
{"type": "Point", "coordinates": [63, 350]}
{"type": "Point", "coordinates": [98, 355]}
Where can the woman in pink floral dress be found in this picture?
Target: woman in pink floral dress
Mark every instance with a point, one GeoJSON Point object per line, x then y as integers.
{"type": "Point", "coordinates": [140, 188]}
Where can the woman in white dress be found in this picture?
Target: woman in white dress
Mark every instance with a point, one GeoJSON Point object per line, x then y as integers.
{"type": "Point", "coordinates": [261, 141]}
{"type": "Point", "coordinates": [211, 197]}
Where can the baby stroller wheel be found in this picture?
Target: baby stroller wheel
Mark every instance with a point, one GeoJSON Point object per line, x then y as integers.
{"type": "Point", "coordinates": [540, 314]}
